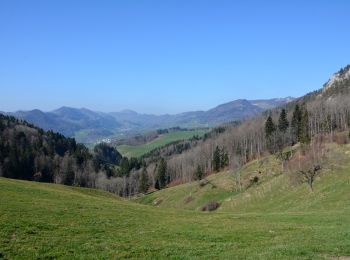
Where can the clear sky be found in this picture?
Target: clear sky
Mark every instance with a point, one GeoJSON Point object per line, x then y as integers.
{"type": "Point", "coordinates": [166, 56]}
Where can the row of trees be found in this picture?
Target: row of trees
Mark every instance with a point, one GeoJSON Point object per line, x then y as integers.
{"type": "Point", "coordinates": [284, 134]}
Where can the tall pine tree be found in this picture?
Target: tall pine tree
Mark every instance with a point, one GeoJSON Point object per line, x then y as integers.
{"type": "Point", "coordinates": [144, 184]}
{"type": "Point", "coordinates": [283, 123]}
{"type": "Point", "coordinates": [161, 174]}
{"type": "Point", "coordinates": [270, 130]}
{"type": "Point", "coordinates": [270, 127]}
{"type": "Point", "coordinates": [198, 175]}
{"type": "Point", "coordinates": [304, 127]}
{"type": "Point", "coordinates": [296, 123]}
{"type": "Point", "coordinates": [217, 159]}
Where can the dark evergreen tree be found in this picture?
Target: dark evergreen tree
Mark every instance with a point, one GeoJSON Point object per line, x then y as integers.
{"type": "Point", "coordinates": [217, 159]}
{"type": "Point", "coordinates": [144, 183]}
{"type": "Point", "coordinates": [124, 167]}
{"type": "Point", "coordinates": [105, 154]}
{"type": "Point", "coordinates": [198, 175]}
{"type": "Point", "coordinates": [304, 136]}
{"type": "Point", "coordinates": [156, 185]}
{"type": "Point", "coordinates": [162, 174]}
{"type": "Point", "coordinates": [296, 123]}
{"type": "Point", "coordinates": [135, 163]}
{"type": "Point", "coordinates": [224, 160]}
{"type": "Point", "coordinates": [270, 133]}
{"type": "Point", "coordinates": [283, 123]}
{"type": "Point", "coordinates": [82, 154]}
{"type": "Point", "coordinates": [270, 127]}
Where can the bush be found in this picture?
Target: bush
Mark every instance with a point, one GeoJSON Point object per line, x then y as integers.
{"type": "Point", "coordinates": [341, 138]}
{"type": "Point", "coordinates": [254, 179]}
{"type": "Point", "coordinates": [211, 206]}
{"type": "Point", "coordinates": [188, 199]}
{"type": "Point", "coordinates": [157, 202]}
{"type": "Point", "coordinates": [203, 182]}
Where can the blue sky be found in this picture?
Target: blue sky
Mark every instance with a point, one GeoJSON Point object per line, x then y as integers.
{"type": "Point", "coordinates": [166, 56]}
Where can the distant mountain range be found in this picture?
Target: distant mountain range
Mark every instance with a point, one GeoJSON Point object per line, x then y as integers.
{"type": "Point", "coordinates": [89, 126]}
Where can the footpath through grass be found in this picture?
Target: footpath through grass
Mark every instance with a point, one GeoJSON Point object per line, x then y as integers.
{"type": "Point", "coordinates": [53, 221]}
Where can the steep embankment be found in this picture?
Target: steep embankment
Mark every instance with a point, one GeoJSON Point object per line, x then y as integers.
{"type": "Point", "coordinates": [52, 221]}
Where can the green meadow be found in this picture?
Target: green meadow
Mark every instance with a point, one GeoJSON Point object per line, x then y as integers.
{"type": "Point", "coordinates": [139, 150]}
{"type": "Point", "coordinates": [269, 220]}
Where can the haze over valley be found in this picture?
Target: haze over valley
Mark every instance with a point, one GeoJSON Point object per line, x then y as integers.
{"type": "Point", "coordinates": [90, 126]}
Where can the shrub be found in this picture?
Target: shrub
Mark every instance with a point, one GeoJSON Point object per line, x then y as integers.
{"type": "Point", "coordinates": [203, 182]}
{"type": "Point", "coordinates": [157, 202]}
{"type": "Point", "coordinates": [341, 138]}
{"type": "Point", "coordinates": [254, 179]}
{"type": "Point", "coordinates": [211, 206]}
{"type": "Point", "coordinates": [188, 199]}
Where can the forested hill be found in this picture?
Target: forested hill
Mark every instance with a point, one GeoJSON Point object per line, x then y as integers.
{"type": "Point", "coordinates": [28, 152]}
{"type": "Point", "coordinates": [317, 115]}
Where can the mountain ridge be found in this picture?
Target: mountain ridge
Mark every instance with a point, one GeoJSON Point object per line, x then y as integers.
{"type": "Point", "coordinates": [94, 124]}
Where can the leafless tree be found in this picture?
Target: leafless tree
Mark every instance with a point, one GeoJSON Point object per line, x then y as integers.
{"type": "Point", "coordinates": [306, 163]}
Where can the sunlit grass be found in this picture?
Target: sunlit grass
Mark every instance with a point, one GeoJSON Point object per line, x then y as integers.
{"type": "Point", "coordinates": [139, 150]}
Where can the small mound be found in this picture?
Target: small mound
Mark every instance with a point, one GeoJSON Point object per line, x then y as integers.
{"type": "Point", "coordinates": [211, 206]}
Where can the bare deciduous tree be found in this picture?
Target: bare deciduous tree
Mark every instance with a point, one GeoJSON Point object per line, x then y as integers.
{"type": "Point", "coordinates": [306, 163]}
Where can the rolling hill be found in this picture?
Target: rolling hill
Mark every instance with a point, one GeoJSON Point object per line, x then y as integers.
{"type": "Point", "coordinates": [88, 126]}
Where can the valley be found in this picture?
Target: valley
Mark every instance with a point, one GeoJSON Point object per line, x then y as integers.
{"type": "Point", "coordinates": [162, 140]}
{"type": "Point", "coordinates": [174, 130]}
{"type": "Point", "coordinates": [272, 186]}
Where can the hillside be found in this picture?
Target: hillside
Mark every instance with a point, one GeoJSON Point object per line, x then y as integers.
{"type": "Point", "coordinates": [320, 114]}
{"type": "Point", "coordinates": [30, 153]}
{"type": "Point", "coordinates": [64, 222]}
{"type": "Point", "coordinates": [273, 192]}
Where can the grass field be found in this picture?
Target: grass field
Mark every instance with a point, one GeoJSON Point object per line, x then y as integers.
{"type": "Point", "coordinates": [271, 220]}
{"type": "Point", "coordinates": [53, 221]}
{"type": "Point", "coordinates": [139, 150]}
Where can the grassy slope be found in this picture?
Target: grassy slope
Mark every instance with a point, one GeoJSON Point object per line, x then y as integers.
{"type": "Point", "coordinates": [268, 221]}
{"type": "Point", "coordinates": [139, 150]}
{"type": "Point", "coordinates": [220, 187]}
{"type": "Point", "coordinates": [331, 190]}
{"type": "Point", "coordinates": [273, 193]}
{"type": "Point", "coordinates": [53, 221]}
